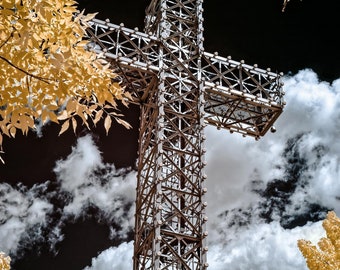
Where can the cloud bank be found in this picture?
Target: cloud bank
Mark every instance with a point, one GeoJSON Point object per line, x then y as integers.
{"type": "Point", "coordinates": [90, 182]}
{"type": "Point", "coordinates": [28, 216]}
{"type": "Point", "coordinates": [262, 196]}
{"type": "Point", "coordinates": [22, 210]}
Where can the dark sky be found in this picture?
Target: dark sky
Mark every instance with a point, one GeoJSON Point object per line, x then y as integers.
{"type": "Point", "coordinates": [305, 36]}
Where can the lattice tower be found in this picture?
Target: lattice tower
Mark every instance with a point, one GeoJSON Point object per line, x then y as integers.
{"type": "Point", "coordinates": [180, 88]}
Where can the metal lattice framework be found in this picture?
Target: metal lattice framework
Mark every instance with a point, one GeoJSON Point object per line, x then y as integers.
{"type": "Point", "coordinates": [180, 88]}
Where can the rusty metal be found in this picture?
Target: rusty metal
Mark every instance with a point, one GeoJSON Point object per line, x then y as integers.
{"type": "Point", "coordinates": [180, 88]}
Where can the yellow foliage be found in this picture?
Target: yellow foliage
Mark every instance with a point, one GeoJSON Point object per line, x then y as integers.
{"type": "Point", "coordinates": [4, 262]}
{"type": "Point", "coordinates": [327, 255]}
{"type": "Point", "coordinates": [47, 71]}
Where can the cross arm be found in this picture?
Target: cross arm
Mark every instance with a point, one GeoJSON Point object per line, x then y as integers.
{"type": "Point", "coordinates": [134, 55]}
{"type": "Point", "coordinates": [240, 97]}
{"type": "Point", "coordinates": [127, 46]}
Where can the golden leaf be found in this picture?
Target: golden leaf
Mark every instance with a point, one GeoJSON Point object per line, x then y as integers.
{"type": "Point", "coordinates": [64, 127]}
{"type": "Point", "coordinates": [88, 17]}
{"type": "Point", "coordinates": [128, 95]}
{"type": "Point", "coordinates": [64, 115]}
{"type": "Point", "coordinates": [107, 123]}
{"type": "Point", "coordinates": [82, 43]}
{"type": "Point", "coordinates": [98, 117]}
{"type": "Point", "coordinates": [74, 124]}
{"type": "Point", "coordinates": [52, 107]}
{"type": "Point", "coordinates": [124, 123]}
{"type": "Point", "coordinates": [71, 106]}
{"type": "Point", "coordinates": [53, 117]}
{"type": "Point", "coordinates": [79, 16]}
{"type": "Point", "coordinates": [23, 124]}
{"type": "Point", "coordinates": [8, 4]}
{"type": "Point", "coordinates": [5, 130]}
{"type": "Point", "coordinates": [12, 131]}
{"type": "Point", "coordinates": [70, 9]}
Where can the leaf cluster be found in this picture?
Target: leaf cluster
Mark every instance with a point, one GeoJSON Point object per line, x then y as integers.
{"type": "Point", "coordinates": [48, 72]}
{"type": "Point", "coordinates": [4, 262]}
{"type": "Point", "coordinates": [327, 255]}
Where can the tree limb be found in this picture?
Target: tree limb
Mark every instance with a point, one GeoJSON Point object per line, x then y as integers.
{"type": "Point", "coordinates": [10, 36]}
{"type": "Point", "coordinates": [285, 2]}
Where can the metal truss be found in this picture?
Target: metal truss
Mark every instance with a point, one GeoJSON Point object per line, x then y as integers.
{"type": "Point", "coordinates": [180, 88]}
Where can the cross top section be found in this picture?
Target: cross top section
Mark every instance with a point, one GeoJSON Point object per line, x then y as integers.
{"type": "Point", "coordinates": [176, 23]}
{"type": "Point", "coordinates": [239, 97]}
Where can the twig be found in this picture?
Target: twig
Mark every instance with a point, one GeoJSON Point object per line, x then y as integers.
{"type": "Point", "coordinates": [285, 2]}
{"type": "Point", "coordinates": [10, 36]}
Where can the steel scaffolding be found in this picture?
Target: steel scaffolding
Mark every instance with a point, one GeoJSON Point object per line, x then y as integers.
{"type": "Point", "coordinates": [180, 88]}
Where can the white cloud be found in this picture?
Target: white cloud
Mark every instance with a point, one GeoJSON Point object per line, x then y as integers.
{"type": "Point", "coordinates": [312, 106]}
{"type": "Point", "coordinates": [262, 247]}
{"type": "Point", "coordinates": [21, 210]}
{"type": "Point", "coordinates": [119, 258]}
{"type": "Point", "coordinates": [93, 183]}
{"type": "Point", "coordinates": [79, 165]}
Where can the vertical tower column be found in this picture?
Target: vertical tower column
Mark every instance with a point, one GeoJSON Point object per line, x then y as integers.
{"type": "Point", "coordinates": [170, 218]}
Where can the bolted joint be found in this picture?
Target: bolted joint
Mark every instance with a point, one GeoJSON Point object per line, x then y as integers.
{"type": "Point", "coordinates": [158, 222]}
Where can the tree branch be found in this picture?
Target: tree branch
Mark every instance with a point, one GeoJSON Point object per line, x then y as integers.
{"type": "Point", "coordinates": [45, 80]}
{"type": "Point", "coordinates": [285, 2]}
{"type": "Point", "coordinates": [10, 36]}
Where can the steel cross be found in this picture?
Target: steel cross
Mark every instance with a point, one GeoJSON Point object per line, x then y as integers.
{"type": "Point", "coordinates": [180, 89]}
